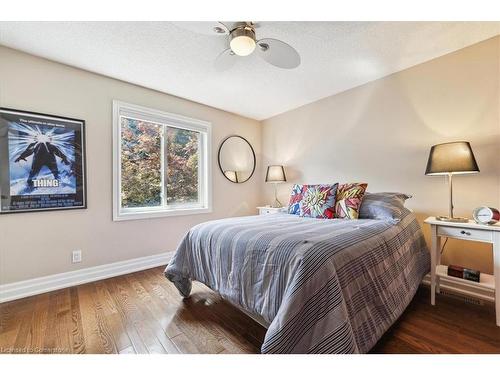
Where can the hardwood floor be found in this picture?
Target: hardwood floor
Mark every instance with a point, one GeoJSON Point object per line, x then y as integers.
{"type": "Point", "coordinates": [143, 313]}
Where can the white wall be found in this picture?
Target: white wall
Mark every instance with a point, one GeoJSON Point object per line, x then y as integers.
{"type": "Point", "coordinates": [38, 244]}
{"type": "Point", "coordinates": [381, 133]}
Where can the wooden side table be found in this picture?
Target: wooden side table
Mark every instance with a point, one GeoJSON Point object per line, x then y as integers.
{"type": "Point", "coordinates": [470, 231]}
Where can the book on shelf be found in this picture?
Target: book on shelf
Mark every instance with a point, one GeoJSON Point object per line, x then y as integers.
{"type": "Point", "coordinates": [464, 273]}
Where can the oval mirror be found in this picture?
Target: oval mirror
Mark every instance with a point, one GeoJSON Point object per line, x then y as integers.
{"type": "Point", "coordinates": [236, 159]}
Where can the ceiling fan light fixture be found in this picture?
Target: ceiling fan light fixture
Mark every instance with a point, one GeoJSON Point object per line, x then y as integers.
{"type": "Point", "coordinates": [243, 41]}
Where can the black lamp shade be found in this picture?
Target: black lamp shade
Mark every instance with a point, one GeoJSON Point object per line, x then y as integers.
{"type": "Point", "coordinates": [275, 173]}
{"type": "Point", "coordinates": [452, 157]}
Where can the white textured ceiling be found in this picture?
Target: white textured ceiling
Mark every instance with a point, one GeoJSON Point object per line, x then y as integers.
{"type": "Point", "coordinates": [336, 56]}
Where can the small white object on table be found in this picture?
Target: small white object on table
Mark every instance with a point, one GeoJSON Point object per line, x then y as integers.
{"type": "Point", "coordinates": [470, 231]}
{"type": "Point", "coordinates": [266, 210]}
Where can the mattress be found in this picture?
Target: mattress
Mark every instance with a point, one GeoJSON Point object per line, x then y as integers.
{"type": "Point", "coordinates": [322, 286]}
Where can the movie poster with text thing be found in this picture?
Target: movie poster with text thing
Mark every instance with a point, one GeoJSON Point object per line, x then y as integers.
{"type": "Point", "coordinates": [42, 162]}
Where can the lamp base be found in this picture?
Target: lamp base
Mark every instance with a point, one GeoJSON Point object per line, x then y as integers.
{"type": "Point", "coordinates": [276, 204]}
{"type": "Point", "coordinates": [453, 219]}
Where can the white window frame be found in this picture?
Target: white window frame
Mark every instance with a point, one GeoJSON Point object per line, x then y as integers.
{"type": "Point", "coordinates": [205, 162]}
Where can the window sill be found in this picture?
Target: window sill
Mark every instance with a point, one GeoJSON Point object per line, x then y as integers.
{"type": "Point", "coordinates": [139, 215]}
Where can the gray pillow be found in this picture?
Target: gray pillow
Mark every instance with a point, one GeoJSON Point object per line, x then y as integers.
{"type": "Point", "coordinates": [383, 206]}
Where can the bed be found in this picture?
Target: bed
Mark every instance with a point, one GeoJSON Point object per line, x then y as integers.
{"type": "Point", "coordinates": [321, 286]}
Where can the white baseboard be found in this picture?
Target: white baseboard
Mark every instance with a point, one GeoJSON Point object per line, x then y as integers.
{"type": "Point", "coordinates": [26, 288]}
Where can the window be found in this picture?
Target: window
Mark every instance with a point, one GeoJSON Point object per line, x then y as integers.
{"type": "Point", "coordinates": [161, 163]}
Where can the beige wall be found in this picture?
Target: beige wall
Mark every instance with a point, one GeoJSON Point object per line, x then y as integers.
{"type": "Point", "coordinates": [38, 244]}
{"type": "Point", "coordinates": [381, 133]}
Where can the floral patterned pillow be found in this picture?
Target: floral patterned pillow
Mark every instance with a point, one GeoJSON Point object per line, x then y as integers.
{"type": "Point", "coordinates": [295, 198]}
{"type": "Point", "coordinates": [348, 201]}
{"type": "Point", "coordinates": [318, 201]}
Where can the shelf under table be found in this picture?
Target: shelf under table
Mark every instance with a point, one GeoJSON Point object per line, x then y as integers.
{"type": "Point", "coordinates": [487, 281]}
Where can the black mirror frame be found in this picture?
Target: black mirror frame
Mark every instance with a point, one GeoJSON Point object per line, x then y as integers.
{"type": "Point", "coordinates": [253, 154]}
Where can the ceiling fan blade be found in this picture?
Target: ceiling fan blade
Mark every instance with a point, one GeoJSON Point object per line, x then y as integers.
{"type": "Point", "coordinates": [204, 27]}
{"type": "Point", "coordinates": [278, 53]}
{"type": "Point", "coordinates": [225, 60]}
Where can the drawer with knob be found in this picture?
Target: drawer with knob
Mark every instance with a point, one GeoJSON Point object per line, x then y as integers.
{"type": "Point", "coordinates": [465, 233]}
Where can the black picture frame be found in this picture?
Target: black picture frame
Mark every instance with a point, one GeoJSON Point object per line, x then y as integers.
{"type": "Point", "coordinates": [42, 162]}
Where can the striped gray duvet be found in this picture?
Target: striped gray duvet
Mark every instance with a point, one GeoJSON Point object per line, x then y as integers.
{"type": "Point", "coordinates": [324, 286]}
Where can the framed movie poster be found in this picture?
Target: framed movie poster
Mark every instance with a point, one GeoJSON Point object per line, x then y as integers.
{"type": "Point", "coordinates": [42, 162]}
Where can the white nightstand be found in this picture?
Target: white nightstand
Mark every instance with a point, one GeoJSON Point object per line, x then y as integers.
{"type": "Point", "coordinates": [470, 231]}
{"type": "Point", "coordinates": [272, 210]}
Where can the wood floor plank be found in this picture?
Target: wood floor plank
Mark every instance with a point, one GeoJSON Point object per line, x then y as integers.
{"type": "Point", "coordinates": [112, 317]}
{"type": "Point", "coordinates": [96, 341]}
{"type": "Point", "coordinates": [144, 313]}
{"type": "Point", "coordinates": [128, 350]}
{"type": "Point", "coordinates": [224, 321]}
{"type": "Point", "coordinates": [451, 326]}
{"type": "Point", "coordinates": [449, 337]}
{"type": "Point", "coordinates": [49, 335]}
{"type": "Point", "coordinates": [24, 332]}
{"type": "Point", "coordinates": [395, 345]}
{"type": "Point", "coordinates": [158, 304]}
{"type": "Point", "coordinates": [77, 340]}
{"type": "Point", "coordinates": [7, 340]}
{"type": "Point", "coordinates": [185, 344]}
{"type": "Point", "coordinates": [199, 334]}
{"type": "Point", "coordinates": [7, 316]}
{"type": "Point", "coordinates": [134, 337]}
{"type": "Point", "coordinates": [152, 314]}
{"type": "Point", "coordinates": [23, 340]}
{"type": "Point", "coordinates": [40, 323]}
{"type": "Point", "coordinates": [12, 316]}
{"type": "Point", "coordinates": [124, 295]}
{"type": "Point", "coordinates": [103, 328]}
{"type": "Point", "coordinates": [63, 327]}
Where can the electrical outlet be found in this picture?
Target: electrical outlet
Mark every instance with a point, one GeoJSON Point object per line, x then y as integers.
{"type": "Point", "coordinates": [76, 256]}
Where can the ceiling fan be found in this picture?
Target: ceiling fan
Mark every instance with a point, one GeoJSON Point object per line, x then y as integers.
{"type": "Point", "coordinates": [243, 42]}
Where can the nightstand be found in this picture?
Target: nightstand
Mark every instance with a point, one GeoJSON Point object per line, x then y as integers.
{"type": "Point", "coordinates": [470, 231]}
{"type": "Point", "coordinates": [272, 210]}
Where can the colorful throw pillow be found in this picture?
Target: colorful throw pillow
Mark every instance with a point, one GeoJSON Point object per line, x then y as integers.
{"type": "Point", "coordinates": [348, 201]}
{"type": "Point", "coordinates": [295, 198]}
{"type": "Point", "coordinates": [318, 201]}
{"type": "Point", "coordinates": [383, 206]}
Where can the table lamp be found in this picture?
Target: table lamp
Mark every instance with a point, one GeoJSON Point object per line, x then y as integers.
{"type": "Point", "coordinates": [275, 175]}
{"type": "Point", "coordinates": [450, 159]}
